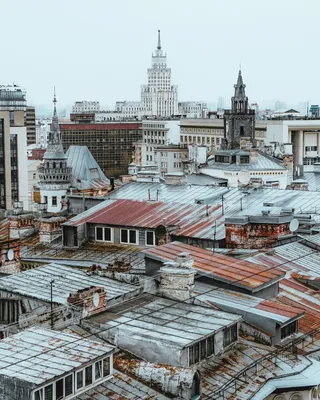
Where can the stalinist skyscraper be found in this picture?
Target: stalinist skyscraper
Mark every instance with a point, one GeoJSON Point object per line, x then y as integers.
{"type": "Point", "coordinates": [159, 96]}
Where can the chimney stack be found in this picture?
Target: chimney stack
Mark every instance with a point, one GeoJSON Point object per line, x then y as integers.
{"type": "Point", "coordinates": [177, 278]}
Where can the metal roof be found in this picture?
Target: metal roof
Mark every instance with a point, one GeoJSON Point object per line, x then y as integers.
{"type": "Point", "coordinates": [252, 276]}
{"type": "Point", "coordinates": [263, 163]}
{"type": "Point", "coordinates": [251, 200]}
{"type": "Point", "coordinates": [121, 387]}
{"type": "Point", "coordinates": [85, 168]}
{"type": "Point", "coordinates": [189, 220]}
{"type": "Point", "coordinates": [173, 323]}
{"type": "Point", "coordinates": [36, 283]}
{"type": "Point", "coordinates": [37, 355]}
{"type": "Point", "coordinates": [246, 304]}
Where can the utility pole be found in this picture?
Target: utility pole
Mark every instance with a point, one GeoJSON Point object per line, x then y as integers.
{"type": "Point", "coordinates": [222, 204]}
{"type": "Point", "coordinates": [51, 301]}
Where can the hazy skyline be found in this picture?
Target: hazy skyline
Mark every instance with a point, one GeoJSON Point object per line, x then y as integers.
{"type": "Point", "coordinates": [100, 50]}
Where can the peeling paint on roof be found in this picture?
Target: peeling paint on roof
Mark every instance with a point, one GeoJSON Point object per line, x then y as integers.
{"type": "Point", "coordinates": [36, 283]}
{"type": "Point", "coordinates": [219, 266]}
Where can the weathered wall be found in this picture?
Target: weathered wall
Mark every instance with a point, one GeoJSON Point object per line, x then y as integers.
{"type": "Point", "coordinates": [13, 388]}
{"type": "Point", "coordinates": [254, 236]}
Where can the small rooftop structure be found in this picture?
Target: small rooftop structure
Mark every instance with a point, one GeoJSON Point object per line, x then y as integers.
{"type": "Point", "coordinates": [166, 331]}
{"type": "Point", "coordinates": [37, 362]}
{"type": "Point", "coordinates": [224, 270]}
{"type": "Point", "coordinates": [35, 283]}
{"type": "Point", "coordinates": [86, 172]}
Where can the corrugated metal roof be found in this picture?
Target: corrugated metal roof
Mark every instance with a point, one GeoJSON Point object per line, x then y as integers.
{"type": "Point", "coordinates": [37, 355]}
{"type": "Point", "coordinates": [177, 324]}
{"type": "Point", "coordinates": [190, 220]}
{"type": "Point", "coordinates": [263, 163]}
{"type": "Point", "coordinates": [243, 303]}
{"type": "Point", "coordinates": [252, 275]}
{"type": "Point", "coordinates": [36, 283]}
{"type": "Point", "coordinates": [121, 387]}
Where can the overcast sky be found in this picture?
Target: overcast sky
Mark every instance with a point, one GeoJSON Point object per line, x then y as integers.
{"type": "Point", "coordinates": [101, 49]}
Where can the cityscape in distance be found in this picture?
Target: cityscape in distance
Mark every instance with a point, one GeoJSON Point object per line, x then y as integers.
{"type": "Point", "coordinates": [160, 201]}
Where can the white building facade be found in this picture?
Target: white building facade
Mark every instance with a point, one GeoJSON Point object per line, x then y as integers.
{"type": "Point", "coordinates": [155, 133]}
{"type": "Point", "coordinates": [42, 132]}
{"type": "Point", "coordinates": [86, 106]}
{"type": "Point", "coordinates": [159, 96]}
{"type": "Point", "coordinates": [193, 109]}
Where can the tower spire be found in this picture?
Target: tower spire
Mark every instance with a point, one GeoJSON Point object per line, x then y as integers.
{"type": "Point", "coordinates": [54, 102]}
{"type": "Point", "coordinates": [159, 41]}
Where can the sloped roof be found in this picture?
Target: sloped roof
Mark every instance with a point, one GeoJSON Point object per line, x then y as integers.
{"type": "Point", "coordinates": [240, 273]}
{"type": "Point", "coordinates": [189, 220]}
{"type": "Point", "coordinates": [86, 171]}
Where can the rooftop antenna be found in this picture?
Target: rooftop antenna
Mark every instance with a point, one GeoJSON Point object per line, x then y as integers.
{"type": "Point", "coordinates": [159, 40]}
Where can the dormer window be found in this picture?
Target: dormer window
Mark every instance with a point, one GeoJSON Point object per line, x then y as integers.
{"type": "Point", "coordinates": [244, 159]}
{"type": "Point", "coordinates": [222, 159]}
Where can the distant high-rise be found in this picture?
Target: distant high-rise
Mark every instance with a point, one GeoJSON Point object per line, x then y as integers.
{"type": "Point", "coordinates": [239, 122]}
{"type": "Point", "coordinates": [13, 98]}
{"type": "Point", "coordinates": [159, 96]}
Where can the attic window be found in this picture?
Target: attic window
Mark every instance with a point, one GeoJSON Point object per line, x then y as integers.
{"type": "Point", "coordinates": [222, 159]}
{"type": "Point", "coordinates": [289, 329]}
{"type": "Point", "coordinates": [201, 350]}
{"type": "Point", "coordinates": [244, 160]}
{"type": "Point", "coordinates": [230, 335]}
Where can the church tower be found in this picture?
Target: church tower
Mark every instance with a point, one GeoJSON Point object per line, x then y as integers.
{"type": "Point", "coordinates": [54, 174]}
{"type": "Point", "coordinates": [239, 122]}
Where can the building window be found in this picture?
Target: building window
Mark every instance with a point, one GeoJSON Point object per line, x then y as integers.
{"type": "Point", "coordinates": [241, 130]}
{"type": "Point", "coordinates": [106, 366]}
{"type": "Point", "coordinates": [98, 370]}
{"type": "Point", "coordinates": [104, 234]}
{"type": "Point", "coordinates": [54, 201]}
{"type": "Point", "coordinates": [11, 117]}
{"type": "Point", "coordinates": [201, 350]}
{"type": "Point", "coordinates": [244, 160]}
{"type": "Point", "coordinates": [128, 236]}
{"type": "Point", "coordinates": [150, 238]}
{"type": "Point", "coordinates": [79, 380]}
{"type": "Point", "coordinates": [230, 335]}
{"type": "Point", "coordinates": [289, 329]}
{"type": "Point", "coordinates": [88, 375]}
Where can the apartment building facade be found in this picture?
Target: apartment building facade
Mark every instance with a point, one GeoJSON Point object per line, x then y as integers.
{"type": "Point", "coordinates": [111, 144]}
{"type": "Point", "coordinates": [13, 159]}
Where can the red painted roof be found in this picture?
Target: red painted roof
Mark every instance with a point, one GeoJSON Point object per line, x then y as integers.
{"type": "Point", "coordinates": [99, 127]}
{"type": "Point", "coordinates": [219, 266]}
{"type": "Point", "coordinates": [187, 219]}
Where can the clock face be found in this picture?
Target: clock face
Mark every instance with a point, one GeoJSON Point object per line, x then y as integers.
{"type": "Point", "coordinates": [96, 299]}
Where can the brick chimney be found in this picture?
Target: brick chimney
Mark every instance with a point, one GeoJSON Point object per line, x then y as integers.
{"type": "Point", "coordinates": [91, 299]}
{"type": "Point", "coordinates": [177, 278]}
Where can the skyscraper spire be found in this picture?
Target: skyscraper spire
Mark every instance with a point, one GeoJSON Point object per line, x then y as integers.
{"type": "Point", "coordinates": [159, 41]}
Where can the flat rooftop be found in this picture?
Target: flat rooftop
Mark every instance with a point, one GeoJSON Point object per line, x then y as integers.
{"type": "Point", "coordinates": [35, 283]}
{"type": "Point", "coordinates": [37, 355]}
{"type": "Point", "coordinates": [244, 274]}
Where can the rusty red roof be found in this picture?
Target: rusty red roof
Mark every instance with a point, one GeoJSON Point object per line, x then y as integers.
{"type": "Point", "coordinates": [99, 127]}
{"type": "Point", "coordinates": [190, 220]}
{"type": "Point", "coordinates": [219, 266]}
